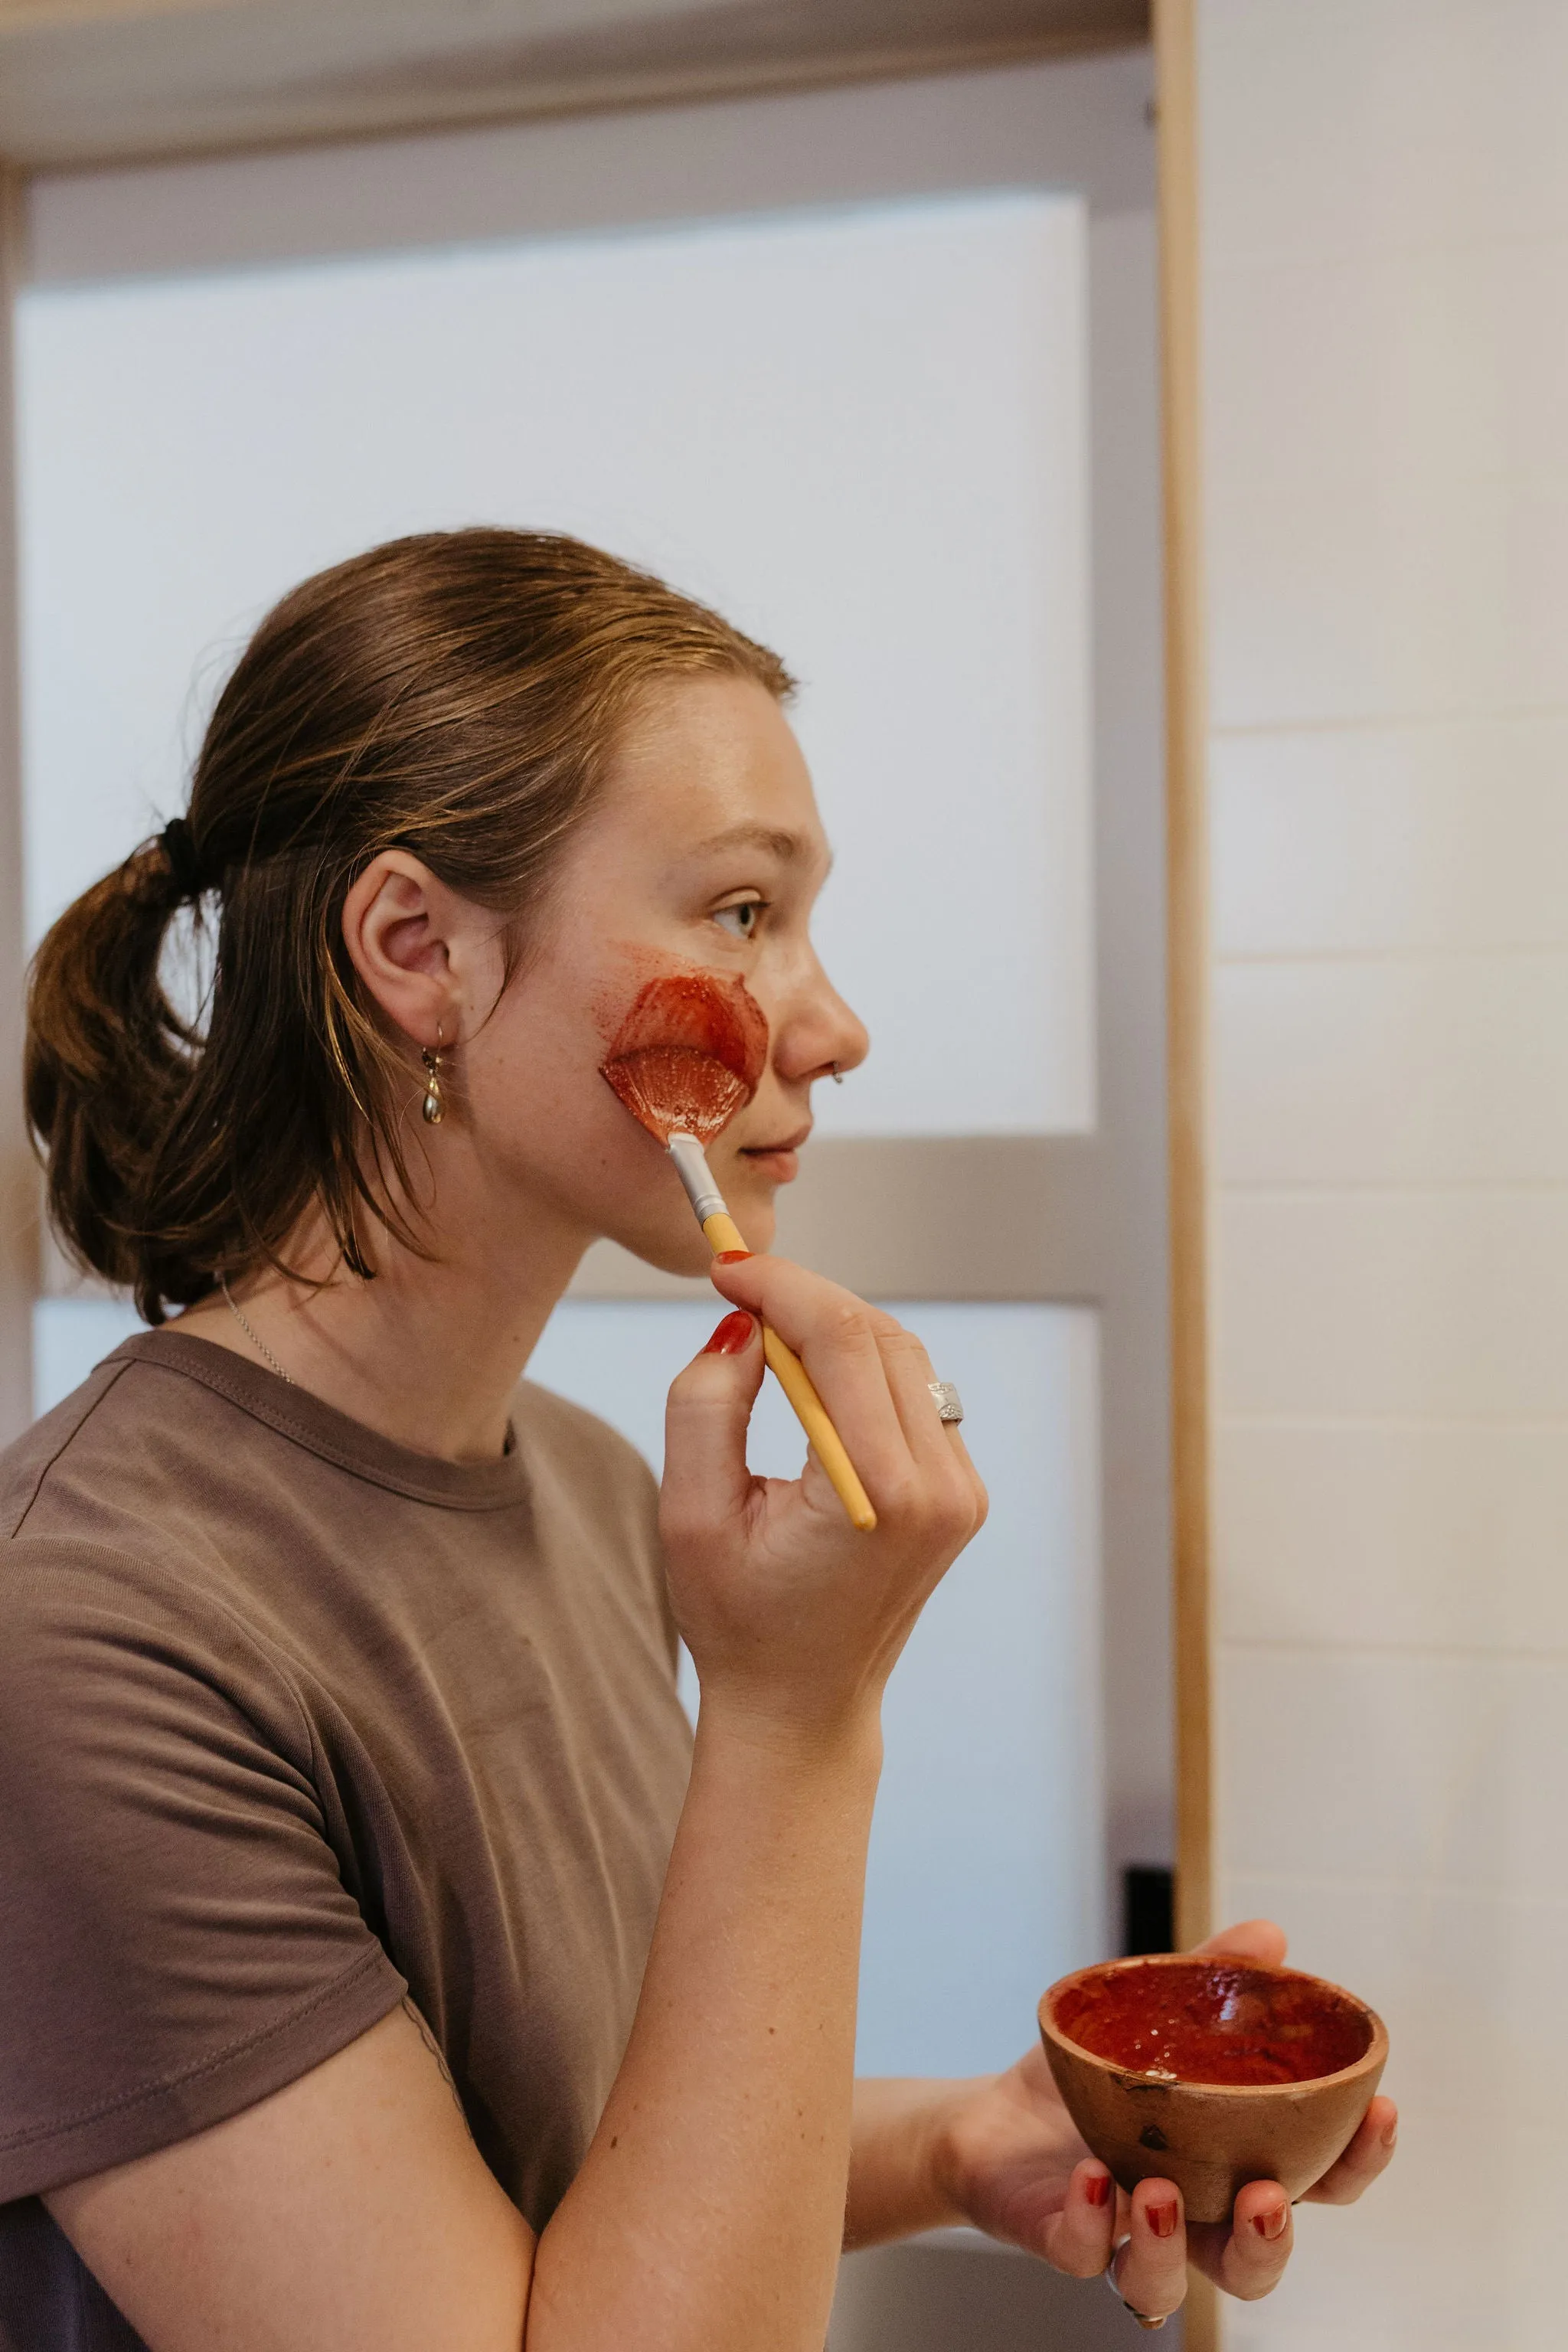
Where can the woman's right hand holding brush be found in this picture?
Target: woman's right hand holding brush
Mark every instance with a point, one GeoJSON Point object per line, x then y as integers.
{"type": "Point", "coordinates": [792, 1617]}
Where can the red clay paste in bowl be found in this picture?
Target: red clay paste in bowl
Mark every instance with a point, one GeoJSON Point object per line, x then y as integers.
{"type": "Point", "coordinates": [1214, 2022]}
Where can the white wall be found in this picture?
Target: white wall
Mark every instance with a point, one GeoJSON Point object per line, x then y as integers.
{"type": "Point", "coordinates": [861, 433]}
{"type": "Point", "coordinates": [1385, 186]}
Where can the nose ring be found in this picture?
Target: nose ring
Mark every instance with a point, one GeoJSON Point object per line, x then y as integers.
{"type": "Point", "coordinates": [837, 1073]}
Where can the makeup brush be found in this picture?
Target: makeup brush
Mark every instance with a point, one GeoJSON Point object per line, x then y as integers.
{"type": "Point", "coordinates": [687, 1058]}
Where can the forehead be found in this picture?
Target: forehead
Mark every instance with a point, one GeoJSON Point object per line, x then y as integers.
{"type": "Point", "coordinates": [710, 757]}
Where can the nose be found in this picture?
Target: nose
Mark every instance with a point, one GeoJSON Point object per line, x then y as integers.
{"type": "Point", "coordinates": [816, 1031]}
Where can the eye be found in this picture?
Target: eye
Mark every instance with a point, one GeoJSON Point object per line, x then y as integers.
{"type": "Point", "coordinates": [744, 918]}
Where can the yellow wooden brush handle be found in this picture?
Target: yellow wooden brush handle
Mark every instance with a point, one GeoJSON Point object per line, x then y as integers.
{"type": "Point", "coordinates": [792, 1376]}
{"type": "Point", "coordinates": [812, 1414]}
{"type": "Point", "coordinates": [724, 1236]}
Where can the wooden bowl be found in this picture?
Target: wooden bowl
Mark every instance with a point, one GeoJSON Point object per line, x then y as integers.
{"type": "Point", "coordinates": [1212, 2071]}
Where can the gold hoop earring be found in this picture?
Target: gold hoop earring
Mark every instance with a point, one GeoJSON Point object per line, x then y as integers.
{"type": "Point", "coordinates": [433, 1108]}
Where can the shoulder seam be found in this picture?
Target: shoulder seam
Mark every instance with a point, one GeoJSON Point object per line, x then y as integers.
{"type": "Point", "coordinates": [70, 1438]}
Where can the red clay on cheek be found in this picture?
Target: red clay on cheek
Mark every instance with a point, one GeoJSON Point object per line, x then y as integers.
{"type": "Point", "coordinates": [689, 1053]}
{"type": "Point", "coordinates": [706, 1012]}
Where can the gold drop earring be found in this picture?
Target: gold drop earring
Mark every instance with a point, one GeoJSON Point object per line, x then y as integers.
{"type": "Point", "coordinates": [433, 1108]}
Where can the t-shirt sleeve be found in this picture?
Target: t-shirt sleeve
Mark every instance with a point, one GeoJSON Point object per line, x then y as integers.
{"type": "Point", "coordinates": [176, 1940]}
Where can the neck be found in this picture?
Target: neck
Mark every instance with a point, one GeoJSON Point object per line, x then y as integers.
{"type": "Point", "coordinates": [429, 1352]}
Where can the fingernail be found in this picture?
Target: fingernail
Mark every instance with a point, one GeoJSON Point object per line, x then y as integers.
{"type": "Point", "coordinates": [1391, 2135]}
{"type": "Point", "coordinates": [733, 1335]}
{"type": "Point", "coordinates": [1272, 2223]}
{"type": "Point", "coordinates": [730, 1257]}
{"type": "Point", "coordinates": [1097, 2187]}
{"type": "Point", "coordinates": [1162, 2219]}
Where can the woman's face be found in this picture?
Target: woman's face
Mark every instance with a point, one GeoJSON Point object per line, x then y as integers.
{"type": "Point", "coordinates": [705, 852]}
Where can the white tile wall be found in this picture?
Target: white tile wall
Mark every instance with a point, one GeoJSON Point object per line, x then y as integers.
{"type": "Point", "coordinates": [1385, 192]}
{"type": "Point", "coordinates": [1392, 366]}
{"type": "Point", "coordinates": [1395, 1765]}
{"type": "Point", "coordinates": [1438, 833]}
{"type": "Point", "coordinates": [1303, 1051]}
{"type": "Point", "coordinates": [1353, 126]}
{"type": "Point", "coordinates": [1340, 592]}
{"type": "Point", "coordinates": [1447, 1302]}
{"type": "Point", "coordinates": [1448, 1534]}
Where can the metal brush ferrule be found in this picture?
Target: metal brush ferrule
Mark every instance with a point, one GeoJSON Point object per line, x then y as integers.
{"type": "Point", "coordinates": [692, 1167]}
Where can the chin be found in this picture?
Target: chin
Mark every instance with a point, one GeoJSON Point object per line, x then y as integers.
{"type": "Point", "coordinates": [686, 1254]}
{"type": "Point", "coordinates": [680, 1246]}
{"type": "Point", "coordinates": [756, 1220]}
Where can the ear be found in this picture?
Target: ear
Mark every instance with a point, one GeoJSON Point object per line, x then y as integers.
{"type": "Point", "coordinates": [402, 929]}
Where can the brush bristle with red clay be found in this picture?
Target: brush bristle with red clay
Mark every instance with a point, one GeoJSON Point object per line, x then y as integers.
{"type": "Point", "coordinates": [687, 1058]}
{"type": "Point", "coordinates": [689, 1054]}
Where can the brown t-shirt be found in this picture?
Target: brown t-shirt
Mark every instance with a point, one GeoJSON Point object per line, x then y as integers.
{"type": "Point", "coordinates": [291, 1718]}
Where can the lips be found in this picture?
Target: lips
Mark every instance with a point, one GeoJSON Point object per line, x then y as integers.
{"type": "Point", "coordinates": [787, 1143]}
{"type": "Point", "coordinates": [777, 1160]}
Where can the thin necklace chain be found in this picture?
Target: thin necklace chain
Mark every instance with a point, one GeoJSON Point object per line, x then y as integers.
{"type": "Point", "coordinates": [257, 1341]}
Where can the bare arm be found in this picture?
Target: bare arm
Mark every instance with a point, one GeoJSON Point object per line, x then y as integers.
{"type": "Point", "coordinates": [351, 2209]}
{"type": "Point", "coordinates": [353, 2212]}
{"type": "Point", "coordinates": [724, 2149]}
{"type": "Point", "coordinates": [899, 2167]}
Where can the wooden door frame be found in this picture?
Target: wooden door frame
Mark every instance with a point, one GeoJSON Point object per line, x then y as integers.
{"type": "Point", "coordinates": [19, 1172]}
{"type": "Point", "coordinates": [1187, 959]}
{"type": "Point", "coordinates": [1186, 854]}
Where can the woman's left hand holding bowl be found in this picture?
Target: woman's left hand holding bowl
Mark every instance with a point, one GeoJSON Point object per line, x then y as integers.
{"type": "Point", "coordinates": [1013, 2165]}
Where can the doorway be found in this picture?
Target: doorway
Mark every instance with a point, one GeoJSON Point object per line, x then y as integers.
{"type": "Point", "coordinates": [876, 371]}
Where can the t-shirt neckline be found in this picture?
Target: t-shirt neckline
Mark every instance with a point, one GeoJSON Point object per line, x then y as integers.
{"type": "Point", "coordinates": [307, 1420]}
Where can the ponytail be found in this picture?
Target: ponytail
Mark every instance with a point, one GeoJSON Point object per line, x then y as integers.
{"type": "Point", "coordinates": [108, 1059]}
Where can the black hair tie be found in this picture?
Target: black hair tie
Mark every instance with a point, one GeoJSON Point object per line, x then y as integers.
{"type": "Point", "coordinates": [185, 862]}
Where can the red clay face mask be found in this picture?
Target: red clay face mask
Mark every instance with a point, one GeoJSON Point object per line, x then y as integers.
{"type": "Point", "coordinates": [689, 1053]}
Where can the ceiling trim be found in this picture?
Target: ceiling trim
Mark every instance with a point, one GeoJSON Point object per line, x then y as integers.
{"type": "Point", "coordinates": [99, 95]}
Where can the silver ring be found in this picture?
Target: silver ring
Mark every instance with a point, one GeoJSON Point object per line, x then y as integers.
{"type": "Point", "coordinates": [949, 1403]}
{"type": "Point", "coordinates": [1113, 2283]}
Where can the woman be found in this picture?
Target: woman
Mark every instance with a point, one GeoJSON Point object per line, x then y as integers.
{"type": "Point", "coordinates": [383, 1965]}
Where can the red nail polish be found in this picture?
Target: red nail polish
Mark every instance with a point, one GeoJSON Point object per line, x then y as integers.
{"type": "Point", "coordinates": [1272, 2223]}
{"type": "Point", "coordinates": [1097, 2187]}
{"type": "Point", "coordinates": [733, 1335]}
{"type": "Point", "coordinates": [1162, 2219]}
{"type": "Point", "coordinates": [730, 1257]}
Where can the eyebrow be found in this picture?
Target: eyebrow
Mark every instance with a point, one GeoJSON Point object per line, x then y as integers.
{"type": "Point", "coordinates": [776, 839]}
